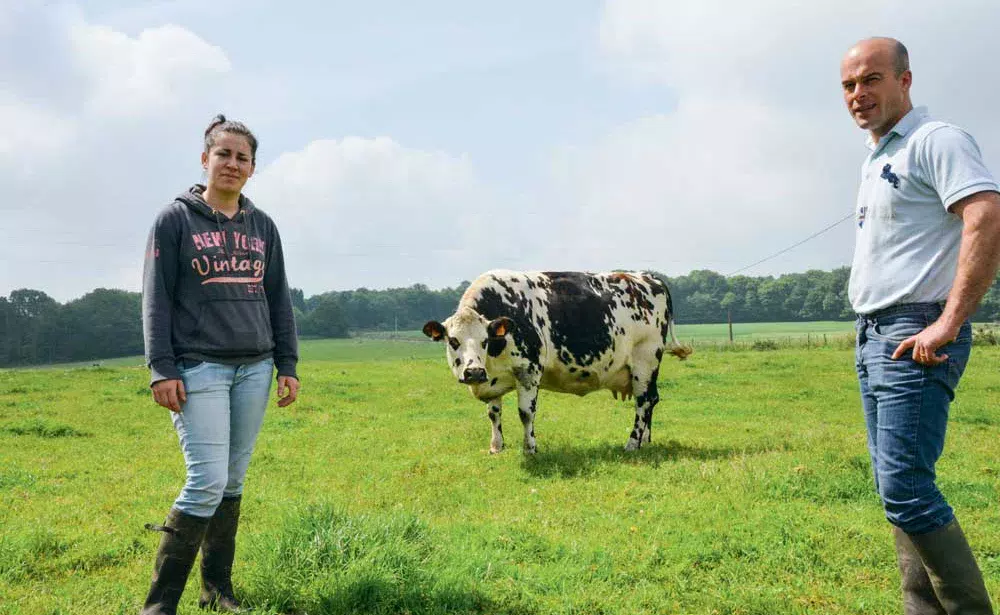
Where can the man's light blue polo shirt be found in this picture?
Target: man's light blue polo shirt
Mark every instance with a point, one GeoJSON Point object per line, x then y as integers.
{"type": "Point", "coordinates": [906, 248]}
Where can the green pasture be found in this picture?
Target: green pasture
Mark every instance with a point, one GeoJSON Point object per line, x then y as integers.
{"type": "Point", "coordinates": [375, 492]}
{"type": "Point", "coordinates": [381, 345]}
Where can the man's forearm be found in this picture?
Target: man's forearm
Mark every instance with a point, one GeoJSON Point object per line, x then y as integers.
{"type": "Point", "coordinates": [979, 256]}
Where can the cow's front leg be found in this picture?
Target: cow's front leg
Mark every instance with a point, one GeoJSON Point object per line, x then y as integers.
{"type": "Point", "coordinates": [494, 407]}
{"type": "Point", "coordinates": [527, 398]}
{"type": "Point", "coordinates": [646, 398]}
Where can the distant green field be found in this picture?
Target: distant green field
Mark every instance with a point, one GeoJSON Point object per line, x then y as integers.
{"type": "Point", "coordinates": [375, 492]}
{"type": "Point", "coordinates": [413, 345]}
{"type": "Point", "coordinates": [765, 330]}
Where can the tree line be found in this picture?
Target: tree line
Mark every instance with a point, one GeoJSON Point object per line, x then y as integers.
{"type": "Point", "coordinates": [37, 329]}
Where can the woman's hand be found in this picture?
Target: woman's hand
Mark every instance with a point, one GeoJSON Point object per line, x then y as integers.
{"type": "Point", "coordinates": [170, 394]}
{"type": "Point", "coordinates": [288, 390]}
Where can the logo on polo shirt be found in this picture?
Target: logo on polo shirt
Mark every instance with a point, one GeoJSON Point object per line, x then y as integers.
{"type": "Point", "coordinates": [889, 176]}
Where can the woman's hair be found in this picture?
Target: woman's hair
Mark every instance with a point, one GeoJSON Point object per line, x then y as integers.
{"type": "Point", "coordinates": [221, 124]}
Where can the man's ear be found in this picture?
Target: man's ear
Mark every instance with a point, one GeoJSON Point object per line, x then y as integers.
{"type": "Point", "coordinates": [500, 327]}
{"type": "Point", "coordinates": [434, 330]}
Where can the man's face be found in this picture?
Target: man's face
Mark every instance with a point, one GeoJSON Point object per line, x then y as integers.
{"type": "Point", "coordinates": [876, 97]}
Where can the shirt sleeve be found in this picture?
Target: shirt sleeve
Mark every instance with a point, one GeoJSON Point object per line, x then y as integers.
{"type": "Point", "coordinates": [954, 165]}
{"type": "Point", "coordinates": [279, 300]}
{"type": "Point", "coordinates": [159, 277]}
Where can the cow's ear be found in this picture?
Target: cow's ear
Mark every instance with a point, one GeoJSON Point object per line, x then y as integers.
{"type": "Point", "coordinates": [434, 330]}
{"type": "Point", "coordinates": [500, 327]}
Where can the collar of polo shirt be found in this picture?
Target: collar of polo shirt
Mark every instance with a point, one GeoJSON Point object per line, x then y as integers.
{"type": "Point", "coordinates": [907, 123]}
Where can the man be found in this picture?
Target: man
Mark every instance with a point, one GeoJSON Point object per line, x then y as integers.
{"type": "Point", "coordinates": [928, 227]}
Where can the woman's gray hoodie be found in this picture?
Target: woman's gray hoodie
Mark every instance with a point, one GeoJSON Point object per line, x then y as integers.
{"type": "Point", "coordinates": [214, 289]}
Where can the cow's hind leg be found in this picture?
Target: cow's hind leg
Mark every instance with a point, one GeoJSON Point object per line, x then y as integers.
{"type": "Point", "coordinates": [646, 397]}
{"type": "Point", "coordinates": [494, 407]}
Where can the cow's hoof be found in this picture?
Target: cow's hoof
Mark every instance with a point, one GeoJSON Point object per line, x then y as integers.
{"type": "Point", "coordinates": [633, 445]}
{"type": "Point", "coordinates": [530, 451]}
{"type": "Point", "coordinates": [494, 450]}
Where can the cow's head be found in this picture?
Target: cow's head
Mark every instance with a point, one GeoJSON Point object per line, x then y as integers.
{"type": "Point", "coordinates": [470, 340]}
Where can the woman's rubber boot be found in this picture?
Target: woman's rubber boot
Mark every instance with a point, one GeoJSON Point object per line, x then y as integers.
{"type": "Point", "coordinates": [217, 553]}
{"type": "Point", "coordinates": [182, 534]}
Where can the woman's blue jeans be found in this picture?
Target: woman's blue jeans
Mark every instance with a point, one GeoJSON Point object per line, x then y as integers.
{"type": "Point", "coordinates": [906, 412]}
{"type": "Point", "coordinates": [218, 427]}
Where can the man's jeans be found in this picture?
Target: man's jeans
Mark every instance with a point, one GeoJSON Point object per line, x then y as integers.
{"type": "Point", "coordinates": [906, 412]}
{"type": "Point", "coordinates": [217, 427]}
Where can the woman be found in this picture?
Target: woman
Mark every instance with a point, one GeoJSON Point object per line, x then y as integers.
{"type": "Point", "coordinates": [217, 319]}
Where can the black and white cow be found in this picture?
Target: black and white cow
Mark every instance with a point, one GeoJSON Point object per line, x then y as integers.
{"type": "Point", "coordinates": [570, 332]}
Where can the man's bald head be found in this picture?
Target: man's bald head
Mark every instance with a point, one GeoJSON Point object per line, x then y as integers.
{"type": "Point", "coordinates": [876, 78]}
{"type": "Point", "coordinates": [897, 50]}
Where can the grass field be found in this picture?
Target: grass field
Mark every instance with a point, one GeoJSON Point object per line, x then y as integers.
{"type": "Point", "coordinates": [375, 493]}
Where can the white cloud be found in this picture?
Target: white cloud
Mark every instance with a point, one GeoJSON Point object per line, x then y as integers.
{"type": "Point", "coordinates": [29, 131]}
{"type": "Point", "coordinates": [355, 210]}
{"type": "Point", "coordinates": [89, 119]}
{"type": "Point", "coordinates": [759, 151]}
{"type": "Point", "coordinates": [142, 76]}
{"type": "Point", "coordinates": [687, 190]}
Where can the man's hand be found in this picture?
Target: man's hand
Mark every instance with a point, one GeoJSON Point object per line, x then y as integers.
{"type": "Point", "coordinates": [926, 343]}
{"type": "Point", "coordinates": [170, 394]}
{"type": "Point", "coordinates": [288, 390]}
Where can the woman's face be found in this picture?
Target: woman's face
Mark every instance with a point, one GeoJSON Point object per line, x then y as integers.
{"type": "Point", "coordinates": [228, 164]}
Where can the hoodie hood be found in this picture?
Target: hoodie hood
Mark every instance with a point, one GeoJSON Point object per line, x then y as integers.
{"type": "Point", "coordinates": [195, 201]}
{"type": "Point", "coordinates": [193, 198]}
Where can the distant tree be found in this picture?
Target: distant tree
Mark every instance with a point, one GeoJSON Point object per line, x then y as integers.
{"type": "Point", "coordinates": [989, 307]}
{"type": "Point", "coordinates": [11, 325]}
{"type": "Point", "coordinates": [298, 299]}
{"type": "Point", "coordinates": [102, 324]}
{"type": "Point", "coordinates": [33, 303]}
{"type": "Point", "coordinates": [326, 319]}
{"type": "Point", "coordinates": [35, 328]}
{"type": "Point", "coordinates": [300, 317]}
{"type": "Point", "coordinates": [34, 312]}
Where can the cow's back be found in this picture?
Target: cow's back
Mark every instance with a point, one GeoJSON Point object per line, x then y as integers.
{"type": "Point", "coordinates": [581, 329]}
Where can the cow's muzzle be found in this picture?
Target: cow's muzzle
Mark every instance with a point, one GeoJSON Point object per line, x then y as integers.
{"type": "Point", "coordinates": [474, 375]}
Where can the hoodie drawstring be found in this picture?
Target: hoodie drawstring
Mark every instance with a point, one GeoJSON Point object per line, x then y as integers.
{"type": "Point", "coordinates": [218, 225]}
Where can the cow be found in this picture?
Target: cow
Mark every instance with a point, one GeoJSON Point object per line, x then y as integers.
{"type": "Point", "coordinates": [570, 332]}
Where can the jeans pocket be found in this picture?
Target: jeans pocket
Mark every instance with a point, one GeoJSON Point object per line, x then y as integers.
{"type": "Point", "coordinates": [895, 329]}
{"type": "Point", "coordinates": [190, 366]}
{"type": "Point", "coordinates": [958, 353]}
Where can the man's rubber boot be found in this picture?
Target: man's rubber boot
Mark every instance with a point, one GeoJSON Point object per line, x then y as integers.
{"type": "Point", "coordinates": [918, 592]}
{"type": "Point", "coordinates": [953, 571]}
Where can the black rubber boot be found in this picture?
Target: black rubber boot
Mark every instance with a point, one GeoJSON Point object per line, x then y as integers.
{"type": "Point", "coordinates": [182, 533]}
{"type": "Point", "coordinates": [217, 553]}
{"type": "Point", "coordinates": [918, 592]}
{"type": "Point", "coordinates": [953, 571]}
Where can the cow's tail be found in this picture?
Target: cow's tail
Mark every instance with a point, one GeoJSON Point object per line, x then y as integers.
{"type": "Point", "coordinates": [674, 347]}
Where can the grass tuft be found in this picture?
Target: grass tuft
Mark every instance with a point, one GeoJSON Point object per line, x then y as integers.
{"type": "Point", "coordinates": [44, 429]}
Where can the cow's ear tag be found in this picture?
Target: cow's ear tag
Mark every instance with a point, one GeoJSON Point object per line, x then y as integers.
{"type": "Point", "coordinates": [498, 328]}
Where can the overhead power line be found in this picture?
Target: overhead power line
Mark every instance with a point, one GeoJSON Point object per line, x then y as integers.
{"type": "Point", "coordinates": [794, 245]}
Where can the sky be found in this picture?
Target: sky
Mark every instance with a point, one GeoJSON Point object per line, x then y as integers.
{"type": "Point", "coordinates": [405, 142]}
